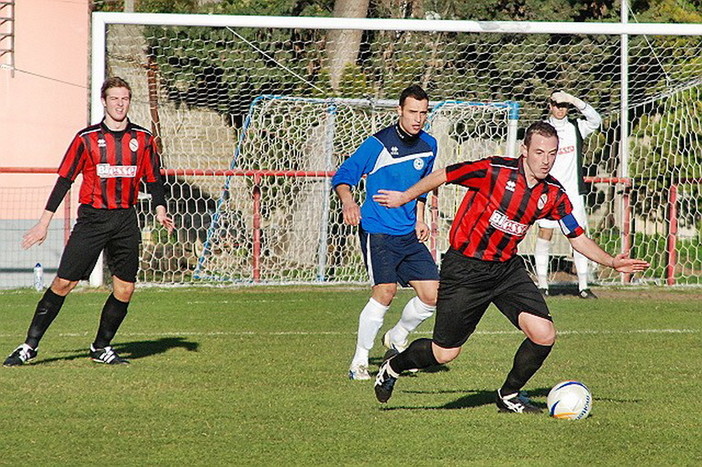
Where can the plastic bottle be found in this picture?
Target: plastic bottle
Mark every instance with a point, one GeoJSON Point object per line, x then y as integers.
{"type": "Point", "coordinates": [38, 277]}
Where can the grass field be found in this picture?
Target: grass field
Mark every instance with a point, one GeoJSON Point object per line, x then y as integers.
{"type": "Point", "coordinates": [258, 376]}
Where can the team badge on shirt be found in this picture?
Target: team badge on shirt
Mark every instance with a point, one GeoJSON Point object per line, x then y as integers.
{"type": "Point", "coordinates": [133, 144]}
{"type": "Point", "coordinates": [419, 163]}
{"type": "Point", "coordinates": [542, 201]}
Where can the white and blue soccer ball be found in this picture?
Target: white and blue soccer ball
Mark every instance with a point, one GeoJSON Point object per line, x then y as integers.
{"type": "Point", "coordinates": [569, 400]}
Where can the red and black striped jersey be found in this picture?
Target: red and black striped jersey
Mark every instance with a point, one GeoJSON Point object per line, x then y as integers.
{"type": "Point", "coordinates": [499, 207]}
{"type": "Point", "coordinates": [113, 163]}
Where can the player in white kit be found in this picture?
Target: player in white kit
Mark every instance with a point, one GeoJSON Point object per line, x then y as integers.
{"type": "Point", "coordinates": [568, 169]}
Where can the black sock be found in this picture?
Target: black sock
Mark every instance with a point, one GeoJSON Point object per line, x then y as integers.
{"type": "Point", "coordinates": [47, 309]}
{"type": "Point", "coordinates": [527, 361]}
{"type": "Point", "coordinates": [418, 355]}
{"type": "Point", "coordinates": [113, 314]}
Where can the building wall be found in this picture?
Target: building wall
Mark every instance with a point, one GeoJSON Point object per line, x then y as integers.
{"type": "Point", "coordinates": [45, 100]}
{"type": "Point", "coordinates": [43, 103]}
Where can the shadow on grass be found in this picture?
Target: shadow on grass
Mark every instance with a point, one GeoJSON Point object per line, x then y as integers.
{"type": "Point", "coordinates": [141, 349]}
{"type": "Point", "coordinates": [133, 350]}
{"type": "Point", "coordinates": [472, 398]}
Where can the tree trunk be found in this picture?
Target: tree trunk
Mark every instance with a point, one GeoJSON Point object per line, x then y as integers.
{"type": "Point", "coordinates": [343, 44]}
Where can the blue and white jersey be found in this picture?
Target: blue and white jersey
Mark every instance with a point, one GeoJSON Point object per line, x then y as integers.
{"type": "Point", "coordinates": [391, 160]}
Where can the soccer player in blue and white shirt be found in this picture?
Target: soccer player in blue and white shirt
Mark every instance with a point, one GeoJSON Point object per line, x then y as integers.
{"type": "Point", "coordinates": [391, 239]}
{"type": "Point", "coordinates": [567, 169]}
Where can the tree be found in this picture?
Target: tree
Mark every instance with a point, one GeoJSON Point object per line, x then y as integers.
{"type": "Point", "coordinates": [343, 44]}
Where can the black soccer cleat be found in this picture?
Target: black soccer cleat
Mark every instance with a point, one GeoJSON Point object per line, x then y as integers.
{"type": "Point", "coordinates": [517, 402]}
{"type": "Point", "coordinates": [106, 355]}
{"type": "Point", "coordinates": [20, 356]}
{"type": "Point", "coordinates": [586, 294]}
{"type": "Point", "coordinates": [384, 381]}
{"type": "Point", "coordinates": [391, 352]}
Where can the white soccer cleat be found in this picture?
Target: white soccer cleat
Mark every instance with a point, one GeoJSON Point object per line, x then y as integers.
{"type": "Point", "coordinates": [359, 372]}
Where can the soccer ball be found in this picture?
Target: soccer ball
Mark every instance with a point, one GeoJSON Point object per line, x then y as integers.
{"type": "Point", "coordinates": [569, 400]}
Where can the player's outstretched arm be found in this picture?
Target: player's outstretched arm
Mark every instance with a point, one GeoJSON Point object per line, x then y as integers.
{"type": "Point", "coordinates": [394, 199]}
{"type": "Point", "coordinates": [621, 262]}
{"type": "Point", "coordinates": [38, 233]}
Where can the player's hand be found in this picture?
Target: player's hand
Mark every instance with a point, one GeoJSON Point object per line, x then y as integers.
{"type": "Point", "coordinates": [35, 235]}
{"type": "Point", "coordinates": [623, 263]}
{"type": "Point", "coordinates": [422, 230]}
{"type": "Point", "coordinates": [563, 97]}
{"type": "Point", "coordinates": [163, 219]}
{"type": "Point", "coordinates": [389, 198]}
{"type": "Point", "coordinates": [351, 212]}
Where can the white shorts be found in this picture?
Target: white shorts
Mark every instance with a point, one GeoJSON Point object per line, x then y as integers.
{"type": "Point", "coordinates": [578, 202]}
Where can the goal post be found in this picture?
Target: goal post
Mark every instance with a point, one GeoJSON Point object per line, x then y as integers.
{"type": "Point", "coordinates": [195, 78]}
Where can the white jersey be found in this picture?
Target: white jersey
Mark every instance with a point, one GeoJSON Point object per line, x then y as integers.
{"type": "Point", "coordinates": [566, 169]}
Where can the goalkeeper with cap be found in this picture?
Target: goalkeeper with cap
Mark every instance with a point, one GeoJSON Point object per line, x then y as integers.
{"type": "Point", "coordinates": [568, 169]}
{"type": "Point", "coordinates": [113, 156]}
{"type": "Point", "coordinates": [391, 239]}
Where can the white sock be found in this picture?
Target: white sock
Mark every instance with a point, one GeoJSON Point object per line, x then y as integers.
{"type": "Point", "coordinates": [581, 266]}
{"type": "Point", "coordinates": [414, 314]}
{"type": "Point", "coordinates": [369, 323]}
{"type": "Point", "coordinates": [541, 261]}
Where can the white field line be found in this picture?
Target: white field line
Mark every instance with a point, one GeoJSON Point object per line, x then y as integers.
{"type": "Point", "coordinates": [339, 333]}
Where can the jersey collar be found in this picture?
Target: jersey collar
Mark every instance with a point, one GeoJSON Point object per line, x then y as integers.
{"type": "Point", "coordinates": [404, 136]}
{"type": "Point", "coordinates": [106, 128]}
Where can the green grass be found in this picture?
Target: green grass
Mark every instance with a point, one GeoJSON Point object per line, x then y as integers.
{"type": "Point", "coordinates": [258, 376]}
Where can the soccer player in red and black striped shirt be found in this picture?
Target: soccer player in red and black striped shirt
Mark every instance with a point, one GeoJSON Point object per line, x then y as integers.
{"type": "Point", "coordinates": [114, 157]}
{"type": "Point", "coordinates": [505, 196]}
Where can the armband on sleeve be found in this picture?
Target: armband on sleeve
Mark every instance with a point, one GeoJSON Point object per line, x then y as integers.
{"type": "Point", "coordinates": [58, 193]}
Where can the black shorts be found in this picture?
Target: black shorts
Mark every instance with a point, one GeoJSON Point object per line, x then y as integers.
{"type": "Point", "coordinates": [114, 230]}
{"type": "Point", "coordinates": [469, 285]}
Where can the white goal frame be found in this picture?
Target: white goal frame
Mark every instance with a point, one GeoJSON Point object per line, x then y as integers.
{"type": "Point", "coordinates": [101, 21]}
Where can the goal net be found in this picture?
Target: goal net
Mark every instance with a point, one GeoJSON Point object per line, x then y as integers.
{"type": "Point", "coordinates": [248, 175]}
{"type": "Point", "coordinates": [277, 219]}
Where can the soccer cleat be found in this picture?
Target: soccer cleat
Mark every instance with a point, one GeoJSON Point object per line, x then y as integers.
{"type": "Point", "coordinates": [586, 293]}
{"type": "Point", "coordinates": [517, 402]}
{"type": "Point", "coordinates": [106, 355]}
{"type": "Point", "coordinates": [384, 381]}
{"type": "Point", "coordinates": [20, 356]}
{"type": "Point", "coordinates": [400, 347]}
{"type": "Point", "coordinates": [544, 292]}
{"type": "Point", "coordinates": [359, 372]}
